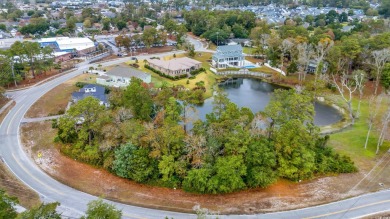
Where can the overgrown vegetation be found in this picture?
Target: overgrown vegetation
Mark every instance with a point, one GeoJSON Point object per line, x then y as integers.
{"type": "Point", "coordinates": [144, 137]}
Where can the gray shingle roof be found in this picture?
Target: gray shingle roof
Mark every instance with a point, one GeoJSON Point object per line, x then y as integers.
{"type": "Point", "coordinates": [99, 93]}
{"type": "Point", "coordinates": [126, 72]}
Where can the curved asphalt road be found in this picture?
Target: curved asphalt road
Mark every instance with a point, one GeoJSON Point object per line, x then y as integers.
{"type": "Point", "coordinates": [74, 203]}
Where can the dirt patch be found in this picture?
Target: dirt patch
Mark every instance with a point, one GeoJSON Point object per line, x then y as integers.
{"type": "Point", "coordinates": [6, 110]}
{"type": "Point", "coordinates": [3, 101]}
{"type": "Point", "coordinates": [55, 101]}
{"type": "Point", "coordinates": [283, 195]}
{"type": "Point", "coordinates": [13, 187]}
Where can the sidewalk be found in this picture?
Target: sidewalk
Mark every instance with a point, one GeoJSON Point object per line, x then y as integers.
{"type": "Point", "coordinates": [39, 119]}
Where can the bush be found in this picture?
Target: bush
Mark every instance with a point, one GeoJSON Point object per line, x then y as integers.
{"type": "Point", "coordinates": [164, 75]}
{"type": "Point", "coordinates": [197, 71]}
{"type": "Point", "coordinates": [134, 65]}
{"type": "Point", "coordinates": [80, 84]}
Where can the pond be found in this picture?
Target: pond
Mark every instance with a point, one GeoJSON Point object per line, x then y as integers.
{"type": "Point", "coordinates": [255, 94]}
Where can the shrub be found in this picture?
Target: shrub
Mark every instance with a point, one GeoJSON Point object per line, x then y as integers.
{"type": "Point", "coordinates": [80, 84]}
{"type": "Point", "coordinates": [197, 71]}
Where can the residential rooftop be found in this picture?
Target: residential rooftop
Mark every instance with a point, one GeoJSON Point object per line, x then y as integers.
{"type": "Point", "coordinates": [175, 64]}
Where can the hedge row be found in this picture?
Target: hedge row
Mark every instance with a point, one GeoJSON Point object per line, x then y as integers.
{"type": "Point", "coordinates": [164, 75]}
{"type": "Point", "coordinates": [197, 71]}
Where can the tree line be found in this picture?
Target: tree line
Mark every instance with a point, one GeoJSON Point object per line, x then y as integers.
{"type": "Point", "coordinates": [145, 137]}
{"type": "Point", "coordinates": [218, 26]}
{"type": "Point", "coordinates": [24, 60]}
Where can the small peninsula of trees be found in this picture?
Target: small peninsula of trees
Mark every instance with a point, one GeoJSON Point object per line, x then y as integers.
{"type": "Point", "coordinates": [144, 137]}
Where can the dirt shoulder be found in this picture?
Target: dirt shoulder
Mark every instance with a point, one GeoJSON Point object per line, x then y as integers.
{"type": "Point", "coordinates": [55, 101]}
{"type": "Point", "coordinates": [283, 195]}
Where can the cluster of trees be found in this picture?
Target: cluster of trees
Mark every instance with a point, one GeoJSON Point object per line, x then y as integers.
{"type": "Point", "coordinates": [339, 61]}
{"type": "Point", "coordinates": [96, 209]}
{"type": "Point", "coordinates": [149, 37]}
{"type": "Point", "coordinates": [218, 26]}
{"type": "Point", "coordinates": [24, 60]}
{"type": "Point", "coordinates": [36, 26]}
{"type": "Point", "coordinates": [357, 4]}
{"type": "Point", "coordinates": [144, 137]}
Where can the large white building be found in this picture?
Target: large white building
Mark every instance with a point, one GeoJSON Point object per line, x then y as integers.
{"type": "Point", "coordinates": [66, 44]}
{"type": "Point", "coordinates": [228, 56]}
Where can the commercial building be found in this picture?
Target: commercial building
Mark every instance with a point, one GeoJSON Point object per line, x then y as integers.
{"type": "Point", "coordinates": [78, 45]}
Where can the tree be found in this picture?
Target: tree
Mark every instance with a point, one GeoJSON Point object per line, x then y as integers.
{"type": "Point", "coordinates": [7, 206]}
{"type": "Point", "coordinates": [138, 99]}
{"type": "Point", "coordinates": [71, 23]}
{"type": "Point", "coordinates": [42, 211]}
{"type": "Point", "coordinates": [379, 60]}
{"type": "Point", "coordinates": [285, 47]}
{"type": "Point", "coordinates": [360, 79]}
{"type": "Point", "coordinates": [81, 125]}
{"type": "Point", "coordinates": [229, 173]}
{"type": "Point", "coordinates": [385, 79]}
{"type": "Point", "coordinates": [260, 162]}
{"type": "Point", "coordinates": [294, 155]}
{"type": "Point", "coordinates": [106, 24]}
{"type": "Point", "coordinates": [121, 24]}
{"type": "Point", "coordinates": [347, 85]}
{"type": "Point", "coordinates": [98, 209]}
{"type": "Point", "coordinates": [286, 105]}
{"type": "Point", "coordinates": [148, 36]}
{"type": "Point", "coordinates": [385, 125]}
{"type": "Point", "coordinates": [374, 103]}
{"type": "Point", "coordinates": [305, 52]}
{"type": "Point", "coordinates": [134, 163]}
{"type": "Point", "coordinates": [384, 8]}
{"type": "Point", "coordinates": [87, 23]}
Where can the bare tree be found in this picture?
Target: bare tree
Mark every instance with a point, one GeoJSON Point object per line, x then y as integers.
{"type": "Point", "coordinates": [379, 59]}
{"type": "Point", "coordinates": [285, 47]}
{"type": "Point", "coordinates": [373, 106]}
{"type": "Point", "coordinates": [360, 79]}
{"type": "Point", "coordinates": [305, 53]}
{"type": "Point", "coordinates": [385, 125]}
{"type": "Point", "coordinates": [346, 85]}
{"type": "Point", "coordinates": [321, 50]}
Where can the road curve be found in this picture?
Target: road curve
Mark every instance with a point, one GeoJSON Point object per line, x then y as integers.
{"type": "Point", "coordinates": [74, 203]}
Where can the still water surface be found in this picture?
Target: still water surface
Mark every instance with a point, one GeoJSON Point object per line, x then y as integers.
{"type": "Point", "coordinates": [255, 94]}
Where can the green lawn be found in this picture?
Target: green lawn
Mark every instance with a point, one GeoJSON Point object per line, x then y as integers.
{"type": "Point", "coordinates": [351, 141]}
{"type": "Point", "coordinates": [208, 77]}
{"type": "Point", "coordinates": [248, 50]}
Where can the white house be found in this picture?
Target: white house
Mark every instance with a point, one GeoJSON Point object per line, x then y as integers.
{"type": "Point", "coordinates": [120, 76]}
{"type": "Point", "coordinates": [228, 56]}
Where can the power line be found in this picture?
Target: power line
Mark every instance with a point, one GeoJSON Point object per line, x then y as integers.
{"type": "Point", "coordinates": [368, 186]}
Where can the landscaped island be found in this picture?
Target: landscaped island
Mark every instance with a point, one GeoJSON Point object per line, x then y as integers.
{"type": "Point", "coordinates": [144, 137]}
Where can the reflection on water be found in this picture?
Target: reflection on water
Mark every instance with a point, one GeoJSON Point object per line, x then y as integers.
{"type": "Point", "coordinates": [255, 94]}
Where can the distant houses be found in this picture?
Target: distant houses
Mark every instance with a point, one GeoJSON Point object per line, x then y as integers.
{"type": "Point", "coordinates": [228, 56]}
{"type": "Point", "coordinates": [120, 76]}
{"type": "Point", "coordinates": [175, 67]}
{"type": "Point", "coordinates": [91, 90]}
